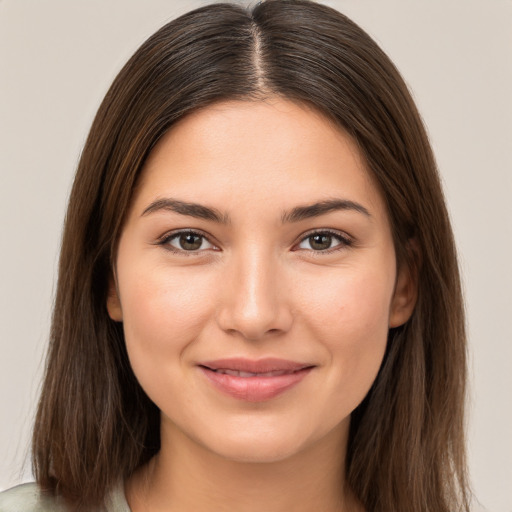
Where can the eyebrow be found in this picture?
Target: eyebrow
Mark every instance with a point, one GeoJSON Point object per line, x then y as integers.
{"type": "Point", "coordinates": [191, 209]}
{"type": "Point", "coordinates": [294, 215]}
{"type": "Point", "coordinates": [322, 207]}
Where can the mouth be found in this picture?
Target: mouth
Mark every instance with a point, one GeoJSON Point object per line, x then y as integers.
{"type": "Point", "coordinates": [254, 380]}
{"type": "Point", "coordinates": [240, 373]}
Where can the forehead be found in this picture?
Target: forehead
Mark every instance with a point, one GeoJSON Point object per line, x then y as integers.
{"type": "Point", "coordinates": [264, 152]}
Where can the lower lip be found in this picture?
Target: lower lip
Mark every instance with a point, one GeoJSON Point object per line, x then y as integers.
{"type": "Point", "coordinates": [254, 389]}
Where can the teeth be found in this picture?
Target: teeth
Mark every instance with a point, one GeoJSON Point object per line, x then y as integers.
{"type": "Point", "coordinates": [237, 373]}
{"type": "Point", "coordinates": [246, 374]}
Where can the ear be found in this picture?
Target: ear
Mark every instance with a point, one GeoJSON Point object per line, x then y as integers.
{"type": "Point", "coordinates": [406, 288]}
{"type": "Point", "coordinates": [113, 303]}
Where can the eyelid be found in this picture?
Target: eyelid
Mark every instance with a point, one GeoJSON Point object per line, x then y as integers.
{"type": "Point", "coordinates": [166, 237]}
{"type": "Point", "coordinates": [345, 240]}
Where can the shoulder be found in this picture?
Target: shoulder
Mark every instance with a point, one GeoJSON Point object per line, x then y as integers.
{"type": "Point", "coordinates": [29, 498]}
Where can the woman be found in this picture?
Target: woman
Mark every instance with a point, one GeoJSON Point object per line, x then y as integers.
{"type": "Point", "coordinates": [258, 303]}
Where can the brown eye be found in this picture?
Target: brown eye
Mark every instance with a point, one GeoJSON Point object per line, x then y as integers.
{"type": "Point", "coordinates": [187, 241]}
{"type": "Point", "coordinates": [190, 241]}
{"type": "Point", "coordinates": [320, 242]}
{"type": "Point", "coordinates": [324, 241]}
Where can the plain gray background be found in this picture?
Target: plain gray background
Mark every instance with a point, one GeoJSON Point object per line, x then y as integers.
{"type": "Point", "coordinates": [57, 59]}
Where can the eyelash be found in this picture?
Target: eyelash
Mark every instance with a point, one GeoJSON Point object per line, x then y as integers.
{"type": "Point", "coordinates": [164, 241]}
{"type": "Point", "coordinates": [344, 241]}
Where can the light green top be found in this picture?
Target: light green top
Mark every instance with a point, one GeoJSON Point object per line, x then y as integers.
{"type": "Point", "coordinates": [29, 498]}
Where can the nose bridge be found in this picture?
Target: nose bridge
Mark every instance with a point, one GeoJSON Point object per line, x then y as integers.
{"type": "Point", "coordinates": [254, 300]}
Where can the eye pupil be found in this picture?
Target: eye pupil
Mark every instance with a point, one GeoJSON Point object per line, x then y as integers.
{"type": "Point", "coordinates": [190, 241]}
{"type": "Point", "coordinates": [320, 241]}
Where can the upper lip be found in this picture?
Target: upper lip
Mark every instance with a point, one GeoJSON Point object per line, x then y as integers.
{"type": "Point", "coordinates": [269, 364]}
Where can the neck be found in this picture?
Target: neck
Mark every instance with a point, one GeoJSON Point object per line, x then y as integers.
{"type": "Point", "coordinates": [186, 476]}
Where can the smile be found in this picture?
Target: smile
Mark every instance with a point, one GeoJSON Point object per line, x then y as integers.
{"type": "Point", "coordinates": [239, 373]}
{"type": "Point", "coordinates": [254, 381]}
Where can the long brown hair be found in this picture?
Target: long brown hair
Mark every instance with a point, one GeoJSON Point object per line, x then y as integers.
{"type": "Point", "coordinates": [94, 423]}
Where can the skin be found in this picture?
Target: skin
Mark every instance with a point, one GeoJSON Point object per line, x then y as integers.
{"type": "Point", "coordinates": [256, 287]}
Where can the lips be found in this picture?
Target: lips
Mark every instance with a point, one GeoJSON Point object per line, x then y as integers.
{"type": "Point", "coordinates": [239, 373]}
{"type": "Point", "coordinates": [254, 380]}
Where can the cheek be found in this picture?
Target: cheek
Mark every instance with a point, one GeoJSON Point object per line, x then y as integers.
{"type": "Point", "coordinates": [349, 301]}
{"type": "Point", "coordinates": [164, 311]}
{"type": "Point", "coordinates": [350, 318]}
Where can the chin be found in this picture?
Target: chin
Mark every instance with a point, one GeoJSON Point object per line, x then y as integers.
{"type": "Point", "coordinates": [258, 450]}
{"type": "Point", "coordinates": [266, 443]}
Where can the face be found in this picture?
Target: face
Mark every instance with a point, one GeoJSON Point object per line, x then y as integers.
{"type": "Point", "coordinates": [256, 280]}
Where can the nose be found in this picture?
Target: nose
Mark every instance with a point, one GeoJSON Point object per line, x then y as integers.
{"type": "Point", "coordinates": [254, 300]}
